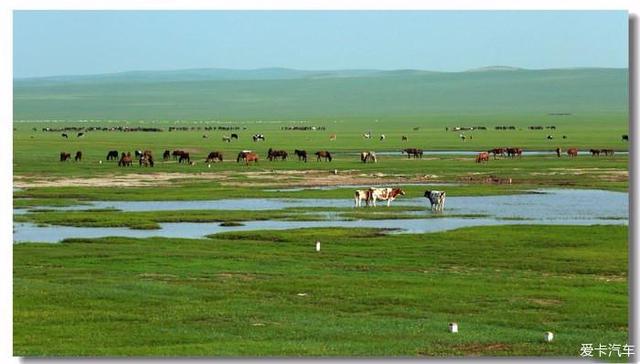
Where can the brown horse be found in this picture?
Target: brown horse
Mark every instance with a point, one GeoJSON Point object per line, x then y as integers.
{"type": "Point", "coordinates": [214, 156]}
{"type": "Point", "coordinates": [323, 154]}
{"type": "Point", "coordinates": [572, 152]}
{"type": "Point", "coordinates": [247, 156]}
{"type": "Point", "coordinates": [496, 151]}
{"type": "Point", "coordinates": [78, 157]}
{"type": "Point", "coordinates": [125, 160]}
{"type": "Point", "coordinates": [275, 154]}
{"type": "Point", "coordinates": [146, 159]}
{"type": "Point", "coordinates": [416, 153]}
{"type": "Point", "coordinates": [482, 157]}
{"type": "Point", "coordinates": [64, 156]}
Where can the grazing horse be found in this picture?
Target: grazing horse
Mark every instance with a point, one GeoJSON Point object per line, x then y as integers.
{"type": "Point", "coordinates": [166, 155]}
{"type": "Point", "coordinates": [572, 152]}
{"type": "Point", "coordinates": [80, 135]}
{"type": "Point", "coordinates": [146, 159]}
{"type": "Point", "coordinates": [558, 152]}
{"type": "Point", "coordinates": [368, 157]}
{"type": "Point", "coordinates": [416, 153]}
{"type": "Point", "coordinates": [113, 154]}
{"type": "Point", "coordinates": [496, 151]}
{"type": "Point", "coordinates": [247, 156]}
{"type": "Point", "coordinates": [275, 154]}
{"type": "Point", "coordinates": [184, 157]}
{"type": "Point", "coordinates": [64, 156]}
{"type": "Point", "coordinates": [594, 152]}
{"type": "Point", "coordinates": [384, 194]}
{"type": "Point", "coordinates": [436, 198]}
{"type": "Point", "coordinates": [125, 160]}
{"type": "Point", "coordinates": [607, 152]}
{"type": "Point", "coordinates": [332, 137]}
{"type": "Point", "coordinates": [302, 154]}
{"type": "Point", "coordinates": [257, 137]}
{"type": "Point", "coordinates": [382, 137]}
{"type": "Point", "coordinates": [214, 156]}
{"type": "Point", "coordinates": [625, 138]}
{"type": "Point", "coordinates": [78, 156]}
{"type": "Point", "coordinates": [512, 152]}
{"type": "Point", "coordinates": [138, 153]}
{"type": "Point", "coordinates": [482, 157]}
{"type": "Point", "coordinates": [64, 135]}
{"type": "Point", "coordinates": [405, 138]}
{"type": "Point", "coordinates": [234, 136]}
{"type": "Point", "coordinates": [323, 154]}
{"type": "Point", "coordinates": [361, 195]}
{"type": "Point", "coordinates": [226, 139]}
{"type": "Point", "coordinates": [177, 153]}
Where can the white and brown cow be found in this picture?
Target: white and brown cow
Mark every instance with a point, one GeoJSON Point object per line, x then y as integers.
{"type": "Point", "coordinates": [436, 198]}
{"type": "Point", "coordinates": [384, 194]}
{"type": "Point", "coordinates": [361, 195]}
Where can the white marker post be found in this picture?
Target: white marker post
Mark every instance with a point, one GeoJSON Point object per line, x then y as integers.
{"type": "Point", "coordinates": [453, 327]}
{"type": "Point", "coordinates": [548, 336]}
{"type": "Point", "coordinates": [317, 245]}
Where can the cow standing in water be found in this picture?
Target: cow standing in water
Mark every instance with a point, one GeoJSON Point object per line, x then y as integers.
{"type": "Point", "coordinates": [384, 194]}
{"type": "Point", "coordinates": [437, 199]}
{"type": "Point", "coordinates": [362, 195]}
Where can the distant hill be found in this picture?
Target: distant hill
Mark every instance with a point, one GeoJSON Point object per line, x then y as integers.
{"type": "Point", "coordinates": [280, 93]}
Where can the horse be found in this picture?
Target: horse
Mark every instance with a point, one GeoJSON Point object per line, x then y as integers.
{"type": "Point", "coordinates": [125, 160]}
{"type": "Point", "coordinates": [166, 155]}
{"type": "Point", "coordinates": [234, 136]}
{"type": "Point", "coordinates": [416, 153]}
{"type": "Point", "coordinates": [247, 156]}
{"type": "Point", "coordinates": [146, 159]}
{"type": "Point", "coordinates": [496, 151]}
{"type": "Point", "coordinates": [384, 194]}
{"type": "Point", "coordinates": [302, 154]}
{"type": "Point", "coordinates": [64, 135]}
{"type": "Point", "coordinates": [405, 138]}
{"type": "Point", "coordinates": [78, 156]}
{"type": "Point", "coordinates": [482, 157]}
{"type": "Point", "coordinates": [226, 139]}
{"type": "Point", "coordinates": [64, 156]}
{"type": "Point", "coordinates": [184, 157]}
{"type": "Point", "coordinates": [594, 152]}
{"type": "Point", "coordinates": [572, 152]}
{"type": "Point", "coordinates": [113, 154]}
{"type": "Point", "coordinates": [177, 153]}
{"type": "Point", "coordinates": [214, 156]}
{"type": "Point", "coordinates": [361, 195]}
{"type": "Point", "coordinates": [368, 157]}
{"type": "Point", "coordinates": [275, 154]}
{"type": "Point", "coordinates": [80, 135]}
{"type": "Point", "coordinates": [607, 152]}
{"type": "Point", "coordinates": [512, 152]}
{"type": "Point", "coordinates": [257, 137]}
{"type": "Point", "coordinates": [323, 154]}
{"type": "Point", "coordinates": [436, 198]}
{"type": "Point", "coordinates": [138, 153]}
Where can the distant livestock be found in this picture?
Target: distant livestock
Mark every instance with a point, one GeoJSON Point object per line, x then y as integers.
{"type": "Point", "coordinates": [413, 152]}
{"type": "Point", "coordinates": [385, 194]}
{"type": "Point", "coordinates": [572, 152]}
{"type": "Point", "coordinates": [78, 156]}
{"type": "Point", "coordinates": [482, 157]}
{"type": "Point", "coordinates": [247, 156]}
{"type": "Point", "coordinates": [436, 198]}
{"type": "Point", "coordinates": [275, 154]}
{"type": "Point", "coordinates": [301, 154]}
{"type": "Point", "coordinates": [64, 156]}
{"type": "Point", "coordinates": [112, 155]}
{"type": "Point", "coordinates": [323, 154]}
{"type": "Point", "coordinates": [258, 137]}
{"type": "Point", "coordinates": [368, 157]}
{"type": "Point", "coordinates": [625, 138]}
{"type": "Point", "coordinates": [213, 157]}
{"type": "Point", "coordinates": [361, 195]}
{"type": "Point", "coordinates": [125, 160]}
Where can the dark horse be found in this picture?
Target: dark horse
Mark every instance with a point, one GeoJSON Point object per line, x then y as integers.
{"type": "Point", "coordinates": [234, 136]}
{"type": "Point", "coordinates": [323, 154]}
{"type": "Point", "coordinates": [184, 157]}
{"type": "Point", "coordinates": [78, 156]}
{"type": "Point", "coordinates": [214, 156]}
{"type": "Point", "coordinates": [113, 154]}
{"type": "Point", "coordinates": [64, 156]}
{"type": "Point", "coordinates": [275, 154]}
{"type": "Point", "coordinates": [302, 154]}
{"type": "Point", "coordinates": [166, 155]}
{"type": "Point", "coordinates": [416, 153]}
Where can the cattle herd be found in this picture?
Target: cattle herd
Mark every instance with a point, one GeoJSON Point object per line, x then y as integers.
{"type": "Point", "coordinates": [373, 194]}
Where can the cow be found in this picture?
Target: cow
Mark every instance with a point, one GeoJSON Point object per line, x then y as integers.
{"type": "Point", "coordinates": [572, 152]}
{"type": "Point", "coordinates": [594, 152]}
{"type": "Point", "coordinates": [166, 155]}
{"type": "Point", "coordinates": [113, 154]}
{"type": "Point", "coordinates": [64, 156]}
{"type": "Point", "coordinates": [384, 194]}
{"type": "Point", "coordinates": [436, 198]}
{"type": "Point", "coordinates": [302, 154]}
{"type": "Point", "coordinates": [382, 137]}
{"type": "Point", "coordinates": [257, 137]}
{"type": "Point", "coordinates": [80, 135]}
{"type": "Point", "coordinates": [234, 136]}
{"type": "Point", "coordinates": [368, 157]}
{"type": "Point", "coordinates": [361, 195]}
{"type": "Point", "coordinates": [550, 137]}
{"type": "Point", "coordinates": [214, 156]}
{"type": "Point", "coordinates": [416, 153]}
{"type": "Point", "coordinates": [323, 154]}
{"type": "Point", "coordinates": [78, 156]}
{"type": "Point", "coordinates": [405, 138]}
{"type": "Point", "coordinates": [64, 135]}
{"type": "Point", "coordinates": [275, 154]}
{"type": "Point", "coordinates": [482, 157]}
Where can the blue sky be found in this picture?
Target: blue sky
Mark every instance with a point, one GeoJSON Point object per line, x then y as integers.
{"type": "Point", "coordinates": [87, 42]}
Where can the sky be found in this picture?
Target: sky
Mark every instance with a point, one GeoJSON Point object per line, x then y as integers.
{"type": "Point", "coordinates": [48, 43]}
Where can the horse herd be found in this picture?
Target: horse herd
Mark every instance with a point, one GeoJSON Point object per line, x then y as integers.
{"type": "Point", "coordinates": [371, 195]}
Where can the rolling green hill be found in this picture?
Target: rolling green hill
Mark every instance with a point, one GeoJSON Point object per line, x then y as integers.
{"type": "Point", "coordinates": [277, 93]}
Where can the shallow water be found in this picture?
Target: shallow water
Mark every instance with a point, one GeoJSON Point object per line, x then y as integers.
{"type": "Point", "coordinates": [551, 206]}
{"type": "Point", "coordinates": [473, 153]}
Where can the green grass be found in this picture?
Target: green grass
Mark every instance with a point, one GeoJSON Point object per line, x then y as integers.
{"type": "Point", "coordinates": [364, 294]}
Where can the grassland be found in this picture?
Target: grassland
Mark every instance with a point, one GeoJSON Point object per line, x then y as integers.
{"type": "Point", "coordinates": [364, 294]}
